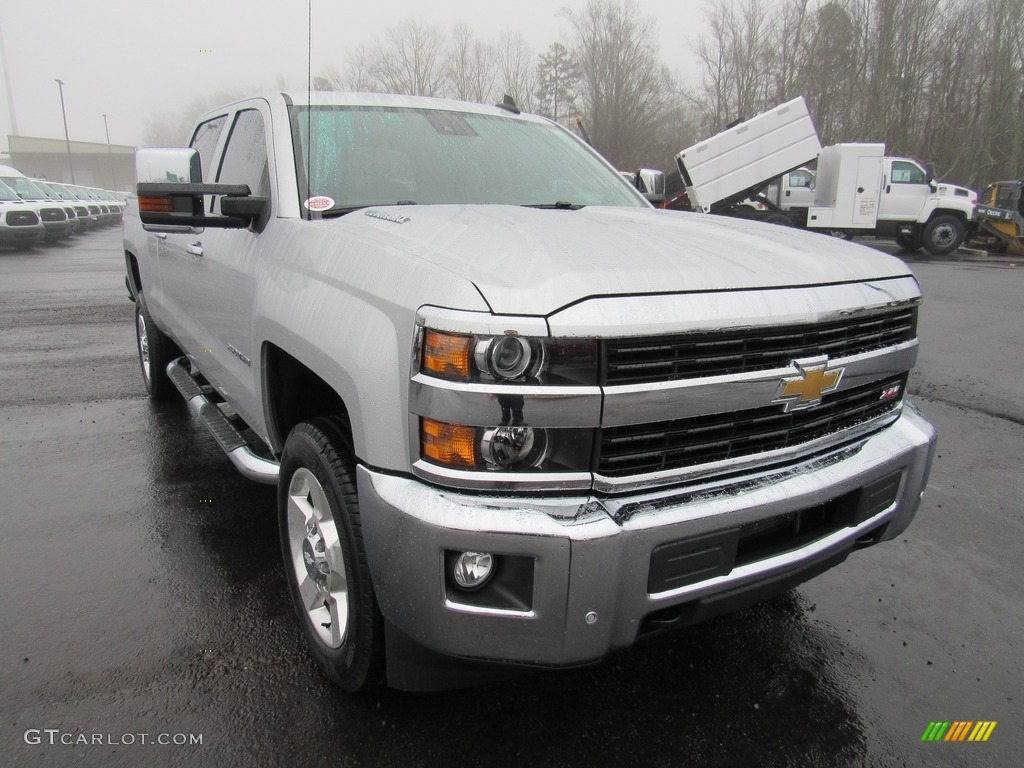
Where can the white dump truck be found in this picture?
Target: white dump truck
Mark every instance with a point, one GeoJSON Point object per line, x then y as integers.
{"type": "Point", "coordinates": [858, 190]}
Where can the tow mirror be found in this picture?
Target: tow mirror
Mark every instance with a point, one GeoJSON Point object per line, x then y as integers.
{"type": "Point", "coordinates": [651, 184]}
{"type": "Point", "coordinates": [171, 194]}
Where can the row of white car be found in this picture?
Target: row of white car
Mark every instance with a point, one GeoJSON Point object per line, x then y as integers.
{"type": "Point", "coordinates": [36, 211]}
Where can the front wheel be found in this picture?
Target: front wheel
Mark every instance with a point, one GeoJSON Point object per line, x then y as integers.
{"type": "Point", "coordinates": [324, 558]}
{"type": "Point", "coordinates": [943, 234]}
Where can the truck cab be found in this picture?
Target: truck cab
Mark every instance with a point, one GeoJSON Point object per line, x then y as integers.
{"type": "Point", "coordinates": [792, 190]}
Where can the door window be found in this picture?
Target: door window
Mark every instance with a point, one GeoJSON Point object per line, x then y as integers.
{"type": "Point", "coordinates": [907, 173]}
{"type": "Point", "coordinates": [245, 157]}
{"type": "Point", "coordinates": [801, 178]}
{"type": "Point", "coordinates": [205, 141]}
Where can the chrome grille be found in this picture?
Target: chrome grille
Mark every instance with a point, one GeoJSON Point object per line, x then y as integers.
{"type": "Point", "coordinates": [679, 443]}
{"type": "Point", "coordinates": [21, 218]}
{"type": "Point", "coordinates": [683, 356]}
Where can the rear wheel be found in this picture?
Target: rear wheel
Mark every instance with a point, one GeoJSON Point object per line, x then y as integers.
{"type": "Point", "coordinates": [943, 234]}
{"type": "Point", "coordinates": [155, 352]}
{"type": "Point", "coordinates": [325, 562]}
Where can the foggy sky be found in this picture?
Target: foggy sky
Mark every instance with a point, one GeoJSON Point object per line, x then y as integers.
{"type": "Point", "coordinates": [133, 61]}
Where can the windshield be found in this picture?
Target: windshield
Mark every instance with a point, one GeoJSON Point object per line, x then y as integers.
{"type": "Point", "coordinates": [24, 187]}
{"type": "Point", "coordinates": [8, 194]}
{"type": "Point", "coordinates": [47, 190]}
{"type": "Point", "coordinates": [382, 156]}
{"type": "Point", "coordinates": [64, 191]}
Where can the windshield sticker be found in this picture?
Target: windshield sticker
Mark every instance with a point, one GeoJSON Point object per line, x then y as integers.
{"type": "Point", "coordinates": [319, 203]}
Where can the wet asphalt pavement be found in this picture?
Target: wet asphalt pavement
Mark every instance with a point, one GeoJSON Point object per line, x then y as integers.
{"type": "Point", "coordinates": [142, 591]}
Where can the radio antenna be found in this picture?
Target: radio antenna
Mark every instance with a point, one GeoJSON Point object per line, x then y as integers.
{"type": "Point", "coordinates": [309, 91]}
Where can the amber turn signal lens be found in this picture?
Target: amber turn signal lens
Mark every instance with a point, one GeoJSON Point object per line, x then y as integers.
{"type": "Point", "coordinates": [156, 204]}
{"type": "Point", "coordinates": [446, 354]}
{"type": "Point", "coordinates": [450, 445]}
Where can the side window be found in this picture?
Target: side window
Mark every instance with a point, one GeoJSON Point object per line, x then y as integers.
{"type": "Point", "coordinates": [205, 141]}
{"type": "Point", "coordinates": [245, 157]}
{"type": "Point", "coordinates": [1006, 198]}
{"type": "Point", "coordinates": [800, 179]}
{"type": "Point", "coordinates": [907, 173]}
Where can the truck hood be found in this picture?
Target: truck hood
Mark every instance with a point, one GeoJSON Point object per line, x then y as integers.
{"type": "Point", "coordinates": [952, 190]}
{"type": "Point", "coordinates": [529, 261]}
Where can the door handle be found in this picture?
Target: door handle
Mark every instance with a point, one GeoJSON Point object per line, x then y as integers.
{"type": "Point", "coordinates": [162, 235]}
{"type": "Point", "coordinates": [888, 189]}
{"type": "Point", "coordinates": [196, 249]}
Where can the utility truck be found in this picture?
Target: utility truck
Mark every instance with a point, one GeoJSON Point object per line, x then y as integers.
{"type": "Point", "coordinates": [858, 190]}
{"type": "Point", "coordinates": [514, 414]}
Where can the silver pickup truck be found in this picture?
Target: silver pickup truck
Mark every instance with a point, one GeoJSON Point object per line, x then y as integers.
{"type": "Point", "coordinates": [515, 415]}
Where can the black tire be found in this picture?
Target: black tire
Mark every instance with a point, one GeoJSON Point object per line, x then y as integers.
{"type": "Point", "coordinates": [943, 234]}
{"type": "Point", "coordinates": [909, 243]}
{"type": "Point", "coordinates": [779, 219]}
{"type": "Point", "coordinates": [324, 557]}
{"type": "Point", "coordinates": [155, 352]}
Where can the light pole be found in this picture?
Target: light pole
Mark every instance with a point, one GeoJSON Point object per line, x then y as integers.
{"type": "Point", "coordinates": [67, 140]}
{"type": "Point", "coordinates": [113, 176]}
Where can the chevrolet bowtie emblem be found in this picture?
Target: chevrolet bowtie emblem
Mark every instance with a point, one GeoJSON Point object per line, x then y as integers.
{"type": "Point", "coordinates": [805, 390]}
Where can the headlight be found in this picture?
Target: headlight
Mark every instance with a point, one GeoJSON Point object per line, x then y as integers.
{"type": "Point", "coordinates": [508, 358]}
{"type": "Point", "coordinates": [517, 448]}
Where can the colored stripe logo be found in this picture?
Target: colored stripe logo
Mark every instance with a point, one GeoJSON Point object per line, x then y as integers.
{"type": "Point", "coordinates": [959, 730]}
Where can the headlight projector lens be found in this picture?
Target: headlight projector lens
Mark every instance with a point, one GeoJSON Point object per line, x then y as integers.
{"type": "Point", "coordinates": [505, 357]}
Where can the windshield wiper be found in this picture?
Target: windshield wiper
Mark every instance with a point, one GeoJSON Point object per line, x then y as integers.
{"type": "Point", "coordinates": [560, 205]}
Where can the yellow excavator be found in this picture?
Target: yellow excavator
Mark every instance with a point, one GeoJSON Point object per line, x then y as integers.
{"type": "Point", "coordinates": [1000, 218]}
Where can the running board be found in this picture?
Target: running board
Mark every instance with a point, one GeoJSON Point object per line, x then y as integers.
{"type": "Point", "coordinates": [224, 432]}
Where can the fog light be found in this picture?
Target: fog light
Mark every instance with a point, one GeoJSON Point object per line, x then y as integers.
{"type": "Point", "coordinates": [473, 569]}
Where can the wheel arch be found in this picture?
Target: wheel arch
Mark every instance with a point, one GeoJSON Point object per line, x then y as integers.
{"type": "Point", "coordinates": [294, 393]}
{"type": "Point", "coordinates": [946, 212]}
{"type": "Point", "coordinates": [134, 275]}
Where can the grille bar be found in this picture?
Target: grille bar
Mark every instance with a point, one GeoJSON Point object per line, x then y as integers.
{"type": "Point", "coordinates": [680, 443]}
{"type": "Point", "coordinates": [666, 358]}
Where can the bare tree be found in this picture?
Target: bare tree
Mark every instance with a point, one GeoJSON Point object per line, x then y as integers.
{"type": "Point", "coordinates": [471, 67]}
{"type": "Point", "coordinates": [624, 87]}
{"type": "Point", "coordinates": [515, 68]}
{"type": "Point", "coordinates": [737, 59]}
{"type": "Point", "coordinates": [408, 59]}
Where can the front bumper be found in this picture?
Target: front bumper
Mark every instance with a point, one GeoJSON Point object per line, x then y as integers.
{"type": "Point", "coordinates": [591, 555]}
{"type": "Point", "coordinates": [55, 230]}
{"type": "Point", "coordinates": [23, 234]}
